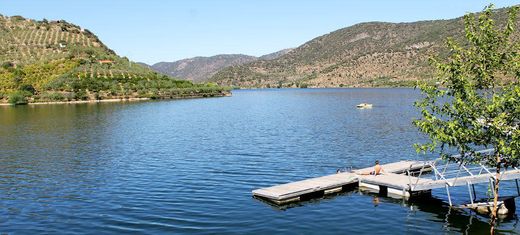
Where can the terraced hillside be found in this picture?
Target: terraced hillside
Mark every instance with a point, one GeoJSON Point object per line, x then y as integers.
{"type": "Point", "coordinates": [59, 61]}
{"type": "Point", "coordinates": [364, 55]}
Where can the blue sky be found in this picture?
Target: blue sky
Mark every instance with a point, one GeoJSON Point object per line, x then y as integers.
{"type": "Point", "coordinates": [160, 30]}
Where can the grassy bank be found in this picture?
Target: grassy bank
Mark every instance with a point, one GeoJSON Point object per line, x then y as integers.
{"type": "Point", "coordinates": [25, 97]}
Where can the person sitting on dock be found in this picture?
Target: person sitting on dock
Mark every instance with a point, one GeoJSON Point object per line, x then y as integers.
{"type": "Point", "coordinates": [378, 170]}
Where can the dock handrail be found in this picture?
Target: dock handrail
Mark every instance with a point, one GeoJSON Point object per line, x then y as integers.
{"type": "Point", "coordinates": [451, 177]}
{"type": "Point", "coordinates": [423, 166]}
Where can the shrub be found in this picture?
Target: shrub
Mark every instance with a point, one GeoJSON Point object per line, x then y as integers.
{"type": "Point", "coordinates": [80, 95]}
{"type": "Point", "coordinates": [18, 97]}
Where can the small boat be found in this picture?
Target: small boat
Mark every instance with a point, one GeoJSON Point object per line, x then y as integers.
{"type": "Point", "coordinates": [364, 106]}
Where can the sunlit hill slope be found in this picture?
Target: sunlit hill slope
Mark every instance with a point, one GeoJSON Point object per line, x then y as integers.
{"type": "Point", "coordinates": [59, 61]}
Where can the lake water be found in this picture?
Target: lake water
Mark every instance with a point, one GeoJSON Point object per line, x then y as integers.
{"type": "Point", "coordinates": [188, 166]}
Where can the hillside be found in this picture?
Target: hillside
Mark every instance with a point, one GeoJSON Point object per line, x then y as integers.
{"type": "Point", "coordinates": [58, 61]}
{"type": "Point", "coordinates": [363, 55]}
{"type": "Point", "coordinates": [199, 69]}
{"type": "Point", "coordinates": [274, 55]}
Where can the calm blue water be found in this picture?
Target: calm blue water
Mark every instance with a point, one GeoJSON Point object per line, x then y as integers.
{"type": "Point", "coordinates": [188, 166]}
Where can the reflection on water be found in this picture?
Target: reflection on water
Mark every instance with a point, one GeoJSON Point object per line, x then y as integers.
{"type": "Point", "coordinates": [188, 166]}
{"type": "Point", "coordinates": [375, 201]}
{"type": "Point", "coordinates": [452, 219]}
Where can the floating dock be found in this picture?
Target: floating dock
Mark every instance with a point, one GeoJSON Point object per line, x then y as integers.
{"type": "Point", "coordinates": [390, 184]}
{"type": "Point", "coordinates": [300, 190]}
{"type": "Point", "coordinates": [400, 179]}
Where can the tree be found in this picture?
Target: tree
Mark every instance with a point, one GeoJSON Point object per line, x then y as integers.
{"type": "Point", "coordinates": [476, 102]}
{"type": "Point", "coordinates": [28, 88]}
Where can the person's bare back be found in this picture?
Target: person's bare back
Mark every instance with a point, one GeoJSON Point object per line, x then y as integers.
{"type": "Point", "coordinates": [378, 169]}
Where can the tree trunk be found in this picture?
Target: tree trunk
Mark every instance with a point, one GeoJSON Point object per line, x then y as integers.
{"type": "Point", "coordinates": [494, 213]}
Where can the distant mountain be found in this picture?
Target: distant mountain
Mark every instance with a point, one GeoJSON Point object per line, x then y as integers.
{"type": "Point", "coordinates": [363, 55]}
{"type": "Point", "coordinates": [199, 69]}
{"type": "Point", "coordinates": [275, 55]}
{"type": "Point", "coordinates": [59, 61]}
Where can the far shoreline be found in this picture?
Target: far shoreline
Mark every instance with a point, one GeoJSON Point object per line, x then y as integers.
{"type": "Point", "coordinates": [276, 88]}
{"type": "Point", "coordinates": [113, 100]}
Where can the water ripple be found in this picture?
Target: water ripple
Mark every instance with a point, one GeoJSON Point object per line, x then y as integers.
{"type": "Point", "coordinates": [188, 166]}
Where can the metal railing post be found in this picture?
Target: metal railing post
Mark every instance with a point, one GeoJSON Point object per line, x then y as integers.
{"type": "Point", "coordinates": [470, 195]}
{"type": "Point", "coordinates": [492, 184]}
{"type": "Point", "coordinates": [517, 188]}
{"type": "Point", "coordinates": [409, 177]}
{"type": "Point", "coordinates": [420, 173]}
{"type": "Point", "coordinates": [474, 193]}
{"type": "Point", "coordinates": [448, 193]}
{"type": "Point", "coordinates": [463, 166]}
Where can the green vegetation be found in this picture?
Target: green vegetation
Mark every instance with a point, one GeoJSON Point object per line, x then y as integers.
{"type": "Point", "coordinates": [360, 55]}
{"type": "Point", "coordinates": [384, 81]}
{"type": "Point", "coordinates": [470, 112]}
{"type": "Point", "coordinates": [18, 97]}
{"type": "Point", "coordinates": [58, 61]}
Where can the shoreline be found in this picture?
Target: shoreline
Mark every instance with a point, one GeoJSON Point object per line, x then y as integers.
{"type": "Point", "coordinates": [118, 100]}
{"type": "Point", "coordinates": [275, 88]}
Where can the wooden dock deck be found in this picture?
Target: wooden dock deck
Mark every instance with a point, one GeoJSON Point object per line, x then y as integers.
{"type": "Point", "coordinates": [296, 191]}
{"type": "Point", "coordinates": [291, 192]}
{"type": "Point", "coordinates": [399, 167]}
